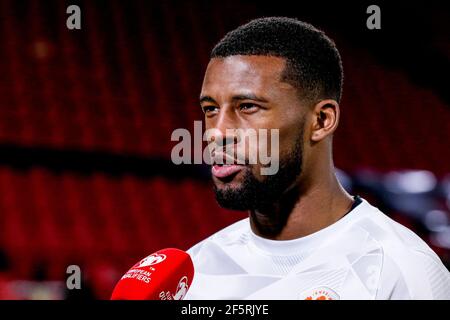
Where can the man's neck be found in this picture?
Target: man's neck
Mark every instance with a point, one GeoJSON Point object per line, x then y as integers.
{"type": "Point", "coordinates": [302, 212]}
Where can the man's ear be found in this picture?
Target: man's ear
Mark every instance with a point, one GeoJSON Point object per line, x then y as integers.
{"type": "Point", "coordinates": [325, 119]}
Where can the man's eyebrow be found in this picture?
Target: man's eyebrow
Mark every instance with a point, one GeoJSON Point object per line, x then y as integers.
{"type": "Point", "coordinates": [249, 96]}
{"type": "Point", "coordinates": [246, 96]}
{"type": "Point", "coordinates": [207, 99]}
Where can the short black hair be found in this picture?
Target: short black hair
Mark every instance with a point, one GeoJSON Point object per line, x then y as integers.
{"type": "Point", "coordinates": [313, 63]}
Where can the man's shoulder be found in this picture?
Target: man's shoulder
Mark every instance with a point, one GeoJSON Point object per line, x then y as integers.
{"type": "Point", "coordinates": [394, 239]}
{"type": "Point", "coordinates": [407, 261]}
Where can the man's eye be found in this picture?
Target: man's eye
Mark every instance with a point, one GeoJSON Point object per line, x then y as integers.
{"type": "Point", "coordinates": [248, 107]}
{"type": "Point", "coordinates": [209, 109]}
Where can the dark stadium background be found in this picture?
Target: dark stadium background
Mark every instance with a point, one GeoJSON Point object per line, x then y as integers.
{"type": "Point", "coordinates": [86, 118]}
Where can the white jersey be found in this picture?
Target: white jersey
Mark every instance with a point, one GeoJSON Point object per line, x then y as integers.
{"type": "Point", "coordinates": [364, 255]}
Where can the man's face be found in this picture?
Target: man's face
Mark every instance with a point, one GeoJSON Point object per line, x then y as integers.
{"type": "Point", "coordinates": [246, 92]}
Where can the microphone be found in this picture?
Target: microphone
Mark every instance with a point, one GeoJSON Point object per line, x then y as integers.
{"type": "Point", "coordinates": [164, 275]}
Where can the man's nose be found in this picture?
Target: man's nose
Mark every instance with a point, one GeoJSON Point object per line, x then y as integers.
{"type": "Point", "coordinates": [225, 131]}
{"type": "Point", "coordinates": [224, 140]}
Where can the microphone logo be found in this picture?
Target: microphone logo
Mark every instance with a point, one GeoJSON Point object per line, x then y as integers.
{"type": "Point", "coordinates": [151, 260]}
{"type": "Point", "coordinates": [182, 289]}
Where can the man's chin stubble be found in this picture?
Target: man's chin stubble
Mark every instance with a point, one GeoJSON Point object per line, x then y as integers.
{"type": "Point", "coordinates": [239, 195]}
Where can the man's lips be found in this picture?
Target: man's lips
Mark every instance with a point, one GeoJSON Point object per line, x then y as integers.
{"type": "Point", "coordinates": [226, 170]}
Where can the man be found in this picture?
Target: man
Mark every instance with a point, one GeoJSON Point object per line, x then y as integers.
{"type": "Point", "coordinates": [306, 237]}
